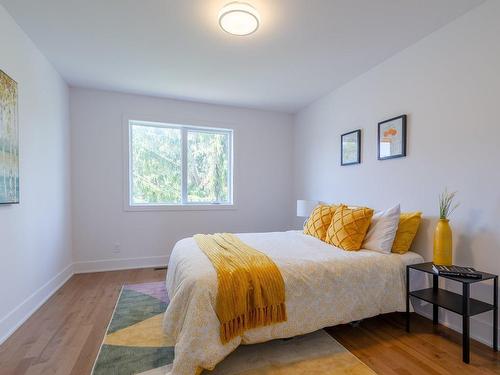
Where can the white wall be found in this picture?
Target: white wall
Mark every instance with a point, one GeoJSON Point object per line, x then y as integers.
{"type": "Point", "coordinates": [263, 178]}
{"type": "Point", "coordinates": [449, 85]}
{"type": "Point", "coordinates": [35, 245]}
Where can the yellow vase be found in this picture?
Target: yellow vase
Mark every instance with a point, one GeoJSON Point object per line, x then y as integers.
{"type": "Point", "coordinates": [443, 243]}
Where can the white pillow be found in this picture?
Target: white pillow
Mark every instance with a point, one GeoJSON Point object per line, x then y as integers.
{"type": "Point", "coordinates": [382, 230]}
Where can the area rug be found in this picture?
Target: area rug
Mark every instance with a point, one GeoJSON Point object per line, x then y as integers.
{"type": "Point", "coordinates": [134, 345]}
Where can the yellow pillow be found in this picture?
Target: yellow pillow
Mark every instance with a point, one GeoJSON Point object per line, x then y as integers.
{"type": "Point", "coordinates": [319, 221]}
{"type": "Point", "coordinates": [407, 229]}
{"type": "Point", "coordinates": [349, 227]}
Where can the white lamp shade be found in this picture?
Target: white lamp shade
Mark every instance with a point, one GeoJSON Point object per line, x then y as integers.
{"type": "Point", "coordinates": [304, 208]}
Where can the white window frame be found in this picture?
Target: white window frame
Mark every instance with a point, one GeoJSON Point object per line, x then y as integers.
{"type": "Point", "coordinates": [128, 121]}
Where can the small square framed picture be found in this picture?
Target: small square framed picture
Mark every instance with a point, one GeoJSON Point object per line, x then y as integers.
{"type": "Point", "coordinates": [350, 148]}
{"type": "Point", "coordinates": [392, 138]}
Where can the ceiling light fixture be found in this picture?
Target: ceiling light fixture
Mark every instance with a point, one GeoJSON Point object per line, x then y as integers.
{"type": "Point", "coordinates": [239, 18]}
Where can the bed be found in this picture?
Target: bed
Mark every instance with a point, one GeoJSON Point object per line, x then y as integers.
{"type": "Point", "coordinates": [324, 286]}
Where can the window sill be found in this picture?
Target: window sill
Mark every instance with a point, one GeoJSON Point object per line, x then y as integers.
{"type": "Point", "coordinates": [186, 207]}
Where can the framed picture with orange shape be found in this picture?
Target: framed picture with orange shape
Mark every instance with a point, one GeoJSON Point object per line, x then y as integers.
{"type": "Point", "coordinates": [392, 138]}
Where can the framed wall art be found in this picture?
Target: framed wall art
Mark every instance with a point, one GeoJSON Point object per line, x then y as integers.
{"type": "Point", "coordinates": [9, 141]}
{"type": "Point", "coordinates": [392, 138]}
{"type": "Point", "coordinates": [350, 148]}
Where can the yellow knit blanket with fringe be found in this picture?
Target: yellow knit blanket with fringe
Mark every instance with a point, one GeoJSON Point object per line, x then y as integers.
{"type": "Point", "coordinates": [251, 290]}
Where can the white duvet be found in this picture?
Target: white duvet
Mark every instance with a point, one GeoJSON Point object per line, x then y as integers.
{"type": "Point", "coordinates": [325, 286]}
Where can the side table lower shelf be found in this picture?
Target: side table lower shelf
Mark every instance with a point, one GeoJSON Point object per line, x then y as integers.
{"type": "Point", "coordinates": [451, 301]}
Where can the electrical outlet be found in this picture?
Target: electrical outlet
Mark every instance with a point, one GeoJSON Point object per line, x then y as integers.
{"type": "Point", "coordinates": [117, 248]}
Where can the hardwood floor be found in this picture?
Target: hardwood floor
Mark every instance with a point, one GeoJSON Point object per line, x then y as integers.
{"type": "Point", "coordinates": [383, 344]}
{"type": "Point", "coordinates": [64, 335]}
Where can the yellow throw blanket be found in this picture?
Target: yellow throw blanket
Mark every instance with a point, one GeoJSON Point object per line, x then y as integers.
{"type": "Point", "coordinates": [251, 290]}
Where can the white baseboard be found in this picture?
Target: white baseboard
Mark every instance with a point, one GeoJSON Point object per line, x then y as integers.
{"type": "Point", "coordinates": [480, 330]}
{"type": "Point", "coordinates": [119, 264]}
{"type": "Point", "coordinates": [13, 320]}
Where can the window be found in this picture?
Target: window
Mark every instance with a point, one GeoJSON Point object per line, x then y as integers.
{"type": "Point", "coordinates": [174, 165]}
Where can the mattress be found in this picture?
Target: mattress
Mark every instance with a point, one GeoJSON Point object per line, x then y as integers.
{"type": "Point", "coordinates": [324, 286]}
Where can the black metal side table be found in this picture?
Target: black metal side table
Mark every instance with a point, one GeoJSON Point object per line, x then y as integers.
{"type": "Point", "coordinates": [460, 304]}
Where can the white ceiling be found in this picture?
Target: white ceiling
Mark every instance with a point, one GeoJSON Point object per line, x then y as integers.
{"type": "Point", "coordinates": [174, 48]}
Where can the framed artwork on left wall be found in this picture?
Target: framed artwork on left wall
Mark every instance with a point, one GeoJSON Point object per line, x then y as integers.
{"type": "Point", "coordinates": [350, 148]}
{"type": "Point", "coordinates": [9, 141]}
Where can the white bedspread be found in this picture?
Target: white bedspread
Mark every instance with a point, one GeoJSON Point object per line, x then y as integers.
{"type": "Point", "coordinates": [325, 286]}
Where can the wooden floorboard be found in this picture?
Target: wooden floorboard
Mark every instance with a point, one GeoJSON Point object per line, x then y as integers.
{"type": "Point", "coordinates": [383, 344]}
{"type": "Point", "coordinates": [64, 335]}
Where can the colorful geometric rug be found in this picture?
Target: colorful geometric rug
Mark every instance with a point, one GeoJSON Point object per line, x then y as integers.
{"type": "Point", "coordinates": [134, 345]}
{"type": "Point", "coordinates": [134, 342]}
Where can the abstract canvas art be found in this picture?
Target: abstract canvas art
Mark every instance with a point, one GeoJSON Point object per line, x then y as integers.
{"type": "Point", "coordinates": [9, 141]}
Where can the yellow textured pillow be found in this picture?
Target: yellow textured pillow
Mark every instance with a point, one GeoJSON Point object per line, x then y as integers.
{"type": "Point", "coordinates": [319, 221]}
{"type": "Point", "coordinates": [407, 229]}
{"type": "Point", "coordinates": [349, 227]}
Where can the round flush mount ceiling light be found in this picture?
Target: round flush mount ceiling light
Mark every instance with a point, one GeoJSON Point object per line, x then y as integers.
{"type": "Point", "coordinates": [239, 18]}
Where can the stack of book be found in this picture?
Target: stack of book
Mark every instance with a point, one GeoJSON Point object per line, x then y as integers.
{"type": "Point", "coordinates": [456, 271]}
